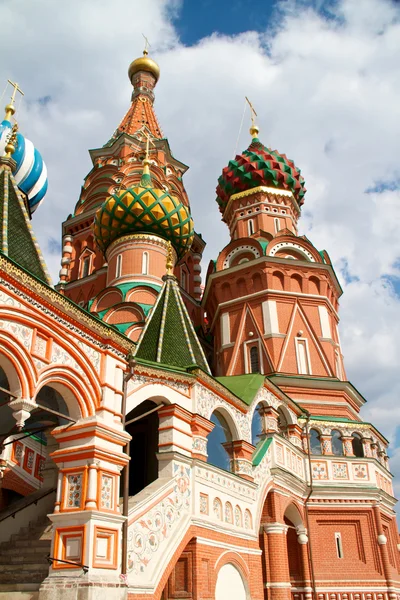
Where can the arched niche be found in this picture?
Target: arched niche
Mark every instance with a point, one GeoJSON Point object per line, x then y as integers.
{"type": "Point", "coordinates": [358, 449]}
{"type": "Point", "coordinates": [230, 584]}
{"type": "Point", "coordinates": [278, 280]}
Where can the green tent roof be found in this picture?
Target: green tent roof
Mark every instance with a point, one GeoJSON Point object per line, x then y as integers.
{"type": "Point", "coordinates": [17, 240]}
{"type": "Point", "coordinates": [169, 337]}
{"type": "Point", "coordinates": [244, 387]}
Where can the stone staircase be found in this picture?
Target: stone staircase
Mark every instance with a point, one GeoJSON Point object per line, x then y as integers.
{"type": "Point", "coordinates": [23, 561]}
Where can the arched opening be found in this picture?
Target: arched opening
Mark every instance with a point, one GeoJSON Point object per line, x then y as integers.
{"type": "Point", "coordinates": [257, 424]}
{"type": "Point", "coordinates": [315, 442]}
{"type": "Point", "coordinates": [145, 263]}
{"type": "Point", "coordinates": [217, 454]}
{"type": "Point", "coordinates": [143, 467]}
{"type": "Point", "coordinates": [230, 584]}
{"type": "Point", "coordinates": [358, 449]}
{"type": "Point", "coordinates": [337, 444]}
{"type": "Point", "coordinates": [283, 421]}
{"type": "Point", "coordinates": [293, 520]}
{"type": "Point", "coordinates": [226, 292]}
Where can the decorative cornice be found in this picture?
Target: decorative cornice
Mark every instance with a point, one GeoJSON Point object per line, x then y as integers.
{"type": "Point", "coordinates": [264, 190]}
{"type": "Point", "coordinates": [59, 306]}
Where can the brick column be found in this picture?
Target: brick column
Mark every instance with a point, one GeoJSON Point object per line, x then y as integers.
{"type": "Point", "coordinates": [269, 417]}
{"type": "Point", "coordinates": [326, 444]}
{"type": "Point", "coordinates": [347, 445]}
{"type": "Point", "coordinates": [366, 442]}
{"type": "Point", "coordinates": [241, 452]}
{"type": "Point", "coordinates": [279, 586]}
{"type": "Point", "coordinates": [201, 427]}
{"type": "Point", "coordinates": [294, 433]}
{"type": "Point", "coordinates": [302, 539]}
{"type": "Point", "coordinates": [197, 275]}
{"type": "Point", "coordinates": [382, 543]}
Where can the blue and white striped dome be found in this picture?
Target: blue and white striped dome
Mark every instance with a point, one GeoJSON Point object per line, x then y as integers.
{"type": "Point", "coordinates": [30, 174]}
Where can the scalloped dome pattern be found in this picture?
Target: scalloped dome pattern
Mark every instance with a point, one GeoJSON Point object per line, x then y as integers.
{"type": "Point", "coordinates": [30, 173]}
{"type": "Point", "coordinates": [144, 210]}
{"type": "Point", "coordinates": [259, 166]}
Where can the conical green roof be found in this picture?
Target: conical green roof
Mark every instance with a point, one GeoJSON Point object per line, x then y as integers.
{"type": "Point", "coordinates": [17, 240]}
{"type": "Point", "coordinates": [169, 337]}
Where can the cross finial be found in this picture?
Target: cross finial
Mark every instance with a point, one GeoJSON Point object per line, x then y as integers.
{"type": "Point", "coordinates": [10, 108]}
{"type": "Point", "coordinates": [146, 45]}
{"type": "Point", "coordinates": [253, 129]}
{"type": "Point", "coordinates": [149, 141]}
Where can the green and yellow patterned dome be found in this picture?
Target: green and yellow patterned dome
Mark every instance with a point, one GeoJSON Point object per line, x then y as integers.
{"type": "Point", "coordinates": [144, 209]}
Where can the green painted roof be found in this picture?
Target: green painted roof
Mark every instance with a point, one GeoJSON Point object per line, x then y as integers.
{"type": "Point", "coordinates": [261, 450]}
{"type": "Point", "coordinates": [168, 336]}
{"type": "Point", "coordinates": [244, 387]}
{"type": "Point", "coordinates": [17, 240]}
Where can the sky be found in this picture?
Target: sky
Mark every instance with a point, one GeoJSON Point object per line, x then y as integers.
{"type": "Point", "coordinates": [324, 79]}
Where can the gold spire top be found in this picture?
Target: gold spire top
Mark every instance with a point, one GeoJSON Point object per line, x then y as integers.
{"type": "Point", "coordinates": [254, 131]}
{"type": "Point", "coordinates": [10, 108]}
{"type": "Point", "coordinates": [170, 260]}
{"type": "Point", "coordinates": [144, 63]}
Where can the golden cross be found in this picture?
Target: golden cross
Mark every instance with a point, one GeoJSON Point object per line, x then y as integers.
{"type": "Point", "coordinates": [253, 112]}
{"type": "Point", "coordinates": [15, 90]}
{"type": "Point", "coordinates": [146, 44]}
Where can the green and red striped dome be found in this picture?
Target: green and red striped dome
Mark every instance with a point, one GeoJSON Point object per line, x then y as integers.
{"type": "Point", "coordinates": [259, 166]}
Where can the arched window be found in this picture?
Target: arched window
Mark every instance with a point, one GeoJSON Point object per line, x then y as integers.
{"type": "Point", "coordinates": [282, 421]}
{"type": "Point", "coordinates": [118, 267]}
{"type": "Point", "coordinates": [358, 449]}
{"type": "Point", "coordinates": [217, 455]}
{"type": "Point", "coordinates": [250, 226]}
{"type": "Point", "coordinates": [315, 442]}
{"type": "Point", "coordinates": [256, 425]}
{"type": "Point", "coordinates": [277, 225]}
{"type": "Point", "coordinates": [337, 444]}
{"type": "Point", "coordinates": [145, 263]}
{"type": "Point", "coordinates": [254, 360]}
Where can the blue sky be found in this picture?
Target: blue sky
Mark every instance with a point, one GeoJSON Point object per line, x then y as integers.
{"type": "Point", "coordinates": [197, 19]}
{"type": "Point", "coordinates": [200, 18]}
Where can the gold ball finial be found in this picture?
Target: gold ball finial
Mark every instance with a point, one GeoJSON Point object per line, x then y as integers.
{"type": "Point", "coordinates": [254, 131]}
{"type": "Point", "coordinates": [144, 63]}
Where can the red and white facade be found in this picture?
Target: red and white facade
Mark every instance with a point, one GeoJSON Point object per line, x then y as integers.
{"type": "Point", "coordinates": [305, 510]}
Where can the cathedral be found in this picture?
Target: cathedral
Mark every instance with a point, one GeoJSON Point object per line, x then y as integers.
{"type": "Point", "coordinates": [167, 436]}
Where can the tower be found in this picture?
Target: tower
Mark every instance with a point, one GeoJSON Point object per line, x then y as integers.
{"type": "Point", "coordinates": [135, 195]}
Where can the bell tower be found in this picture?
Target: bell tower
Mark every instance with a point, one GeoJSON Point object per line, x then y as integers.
{"type": "Point", "coordinates": [271, 297]}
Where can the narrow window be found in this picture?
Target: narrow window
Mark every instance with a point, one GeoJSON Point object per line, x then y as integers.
{"type": "Point", "coordinates": [339, 547]}
{"type": "Point", "coordinates": [338, 365]}
{"type": "Point", "coordinates": [277, 225]}
{"type": "Point", "coordinates": [315, 442]}
{"type": "Point", "coordinates": [250, 226]}
{"type": "Point", "coordinates": [118, 268]}
{"type": "Point", "coordinates": [85, 266]}
{"type": "Point", "coordinates": [145, 263]}
{"type": "Point", "coordinates": [303, 362]}
{"type": "Point", "coordinates": [183, 279]}
{"type": "Point", "coordinates": [337, 444]}
{"type": "Point", "coordinates": [254, 360]}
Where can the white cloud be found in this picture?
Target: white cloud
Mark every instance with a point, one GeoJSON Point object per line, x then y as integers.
{"type": "Point", "coordinates": [326, 92]}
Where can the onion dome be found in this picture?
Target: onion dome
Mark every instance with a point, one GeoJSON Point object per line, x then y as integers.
{"type": "Point", "coordinates": [144, 209]}
{"type": "Point", "coordinates": [144, 63]}
{"type": "Point", "coordinates": [259, 166]}
{"type": "Point", "coordinates": [30, 172]}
